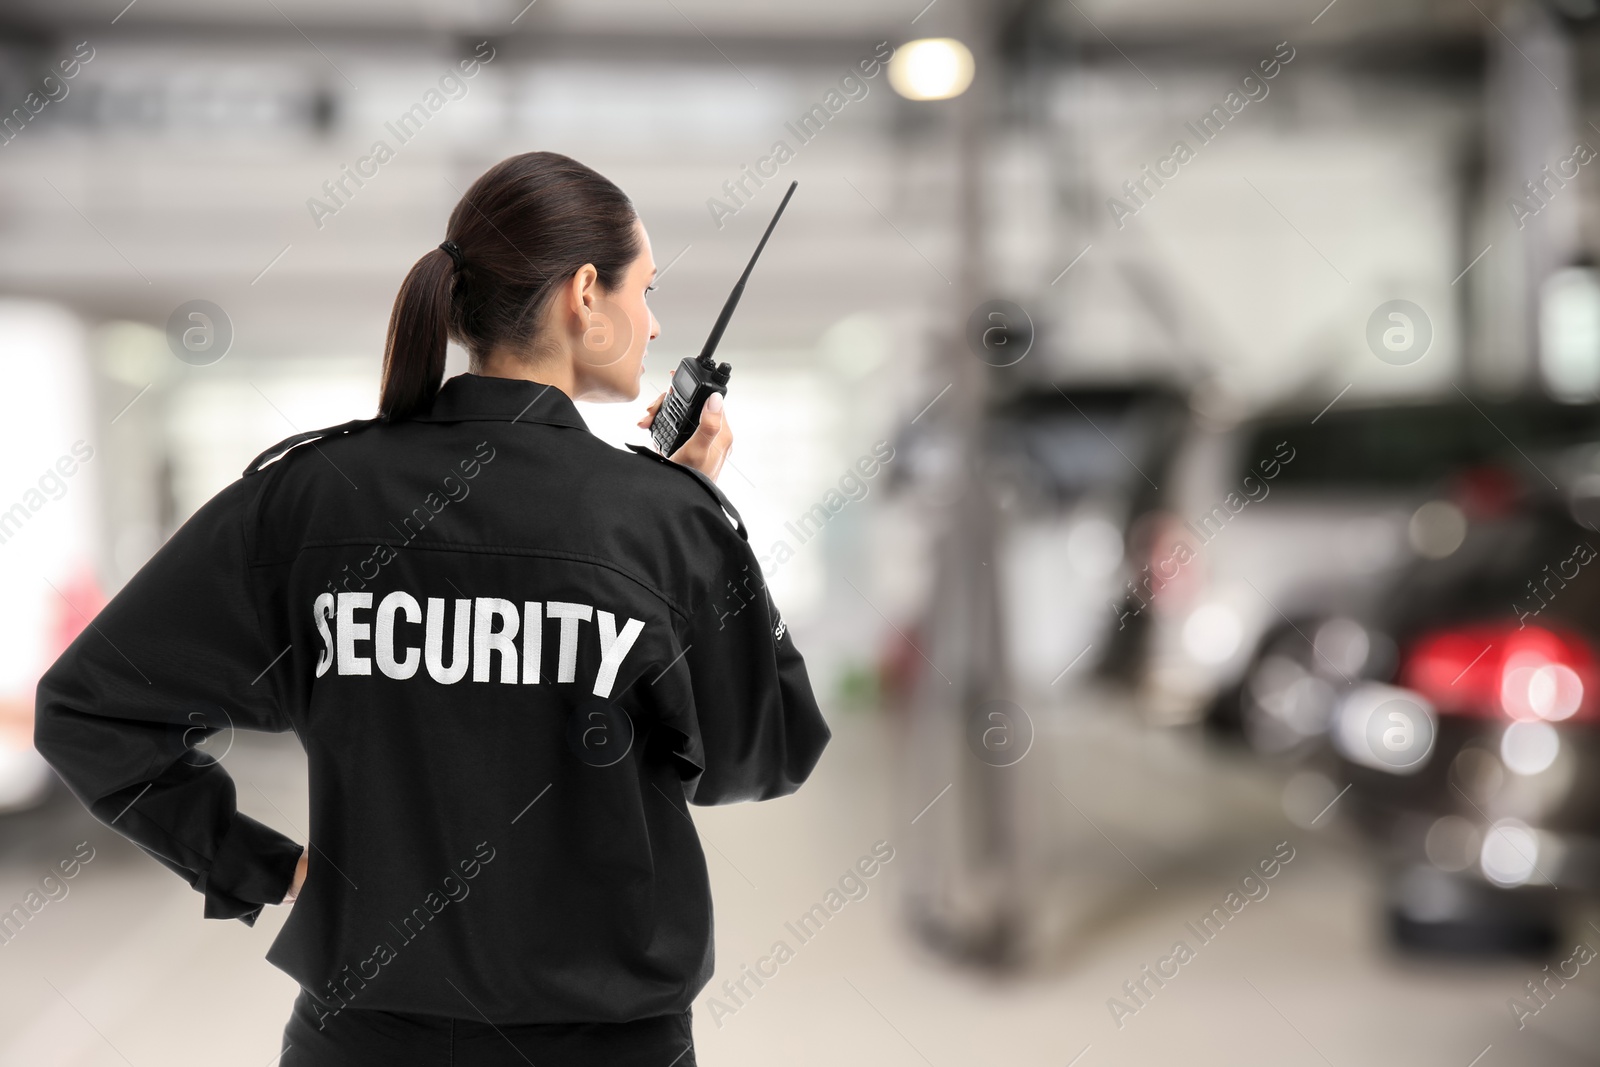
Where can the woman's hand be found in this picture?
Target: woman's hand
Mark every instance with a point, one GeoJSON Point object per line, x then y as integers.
{"type": "Point", "coordinates": [299, 878]}
{"type": "Point", "coordinates": [712, 441]}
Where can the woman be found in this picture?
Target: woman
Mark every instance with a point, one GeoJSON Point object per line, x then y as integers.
{"type": "Point", "coordinates": [512, 653]}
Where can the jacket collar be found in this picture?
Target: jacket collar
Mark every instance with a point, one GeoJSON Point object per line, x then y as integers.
{"type": "Point", "coordinates": [479, 398]}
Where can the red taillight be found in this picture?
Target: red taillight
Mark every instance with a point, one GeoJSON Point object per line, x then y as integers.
{"type": "Point", "coordinates": [1497, 669]}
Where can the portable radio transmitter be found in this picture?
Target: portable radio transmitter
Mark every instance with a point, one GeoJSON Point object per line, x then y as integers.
{"type": "Point", "coordinates": [696, 379]}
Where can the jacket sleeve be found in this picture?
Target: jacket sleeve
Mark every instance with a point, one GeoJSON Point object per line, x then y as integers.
{"type": "Point", "coordinates": [173, 660]}
{"type": "Point", "coordinates": [756, 731]}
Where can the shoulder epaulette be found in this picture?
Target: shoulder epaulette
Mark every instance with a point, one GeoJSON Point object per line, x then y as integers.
{"type": "Point", "coordinates": [704, 480]}
{"type": "Point", "coordinates": [282, 447]}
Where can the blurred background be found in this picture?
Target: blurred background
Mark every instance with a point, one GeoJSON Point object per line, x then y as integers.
{"type": "Point", "coordinates": [1170, 429]}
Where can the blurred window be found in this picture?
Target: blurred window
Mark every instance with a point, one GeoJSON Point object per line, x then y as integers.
{"type": "Point", "coordinates": [1408, 446]}
{"type": "Point", "coordinates": [1088, 441]}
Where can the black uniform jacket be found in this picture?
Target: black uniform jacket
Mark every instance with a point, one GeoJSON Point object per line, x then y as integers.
{"type": "Point", "coordinates": [513, 654]}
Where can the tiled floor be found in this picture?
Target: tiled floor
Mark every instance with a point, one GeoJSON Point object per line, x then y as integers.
{"type": "Point", "coordinates": [1132, 836]}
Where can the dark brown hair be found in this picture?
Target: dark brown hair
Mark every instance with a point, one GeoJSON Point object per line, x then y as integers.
{"type": "Point", "coordinates": [522, 229]}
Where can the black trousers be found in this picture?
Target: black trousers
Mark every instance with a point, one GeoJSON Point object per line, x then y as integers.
{"type": "Point", "coordinates": [365, 1038]}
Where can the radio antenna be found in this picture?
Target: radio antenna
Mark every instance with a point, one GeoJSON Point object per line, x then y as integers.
{"type": "Point", "coordinates": [738, 290]}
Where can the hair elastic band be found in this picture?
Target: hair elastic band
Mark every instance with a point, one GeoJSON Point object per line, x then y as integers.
{"type": "Point", "coordinates": [454, 251]}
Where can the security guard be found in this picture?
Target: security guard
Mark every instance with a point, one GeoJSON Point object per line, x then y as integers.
{"type": "Point", "coordinates": [512, 653]}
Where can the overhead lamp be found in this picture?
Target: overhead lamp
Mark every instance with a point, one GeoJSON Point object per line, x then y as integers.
{"type": "Point", "coordinates": [933, 68]}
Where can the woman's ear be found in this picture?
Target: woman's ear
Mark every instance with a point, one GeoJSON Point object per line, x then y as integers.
{"type": "Point", "coordinates": [586, 288]}
{"type": "Point", "coordinates": [576, 299]}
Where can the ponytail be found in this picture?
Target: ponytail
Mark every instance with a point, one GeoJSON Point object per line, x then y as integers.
{"type": "Point", "coordinates": [528, 223]}
{"type": "Point", "coordinates": [413, 355]}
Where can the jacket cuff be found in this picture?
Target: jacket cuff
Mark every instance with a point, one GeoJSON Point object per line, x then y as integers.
{"type": "Point", "coordinates": [254, 866]}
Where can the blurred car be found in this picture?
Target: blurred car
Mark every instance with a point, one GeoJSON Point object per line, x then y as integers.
{"type": "Point", "coordinates": [1081, 466]}
{"type": "Point", "coordinates": [1455, 717]}
{"type": "Point", "coordinates": [49, 526]}
{"type": "Point", "coordinates": [1076, 468]}
{"type": "Point", "coordinates": [1306, 514]}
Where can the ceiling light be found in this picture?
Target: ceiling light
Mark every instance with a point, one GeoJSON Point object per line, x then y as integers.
{"type": "Point", "coordinates": [934, 68]}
